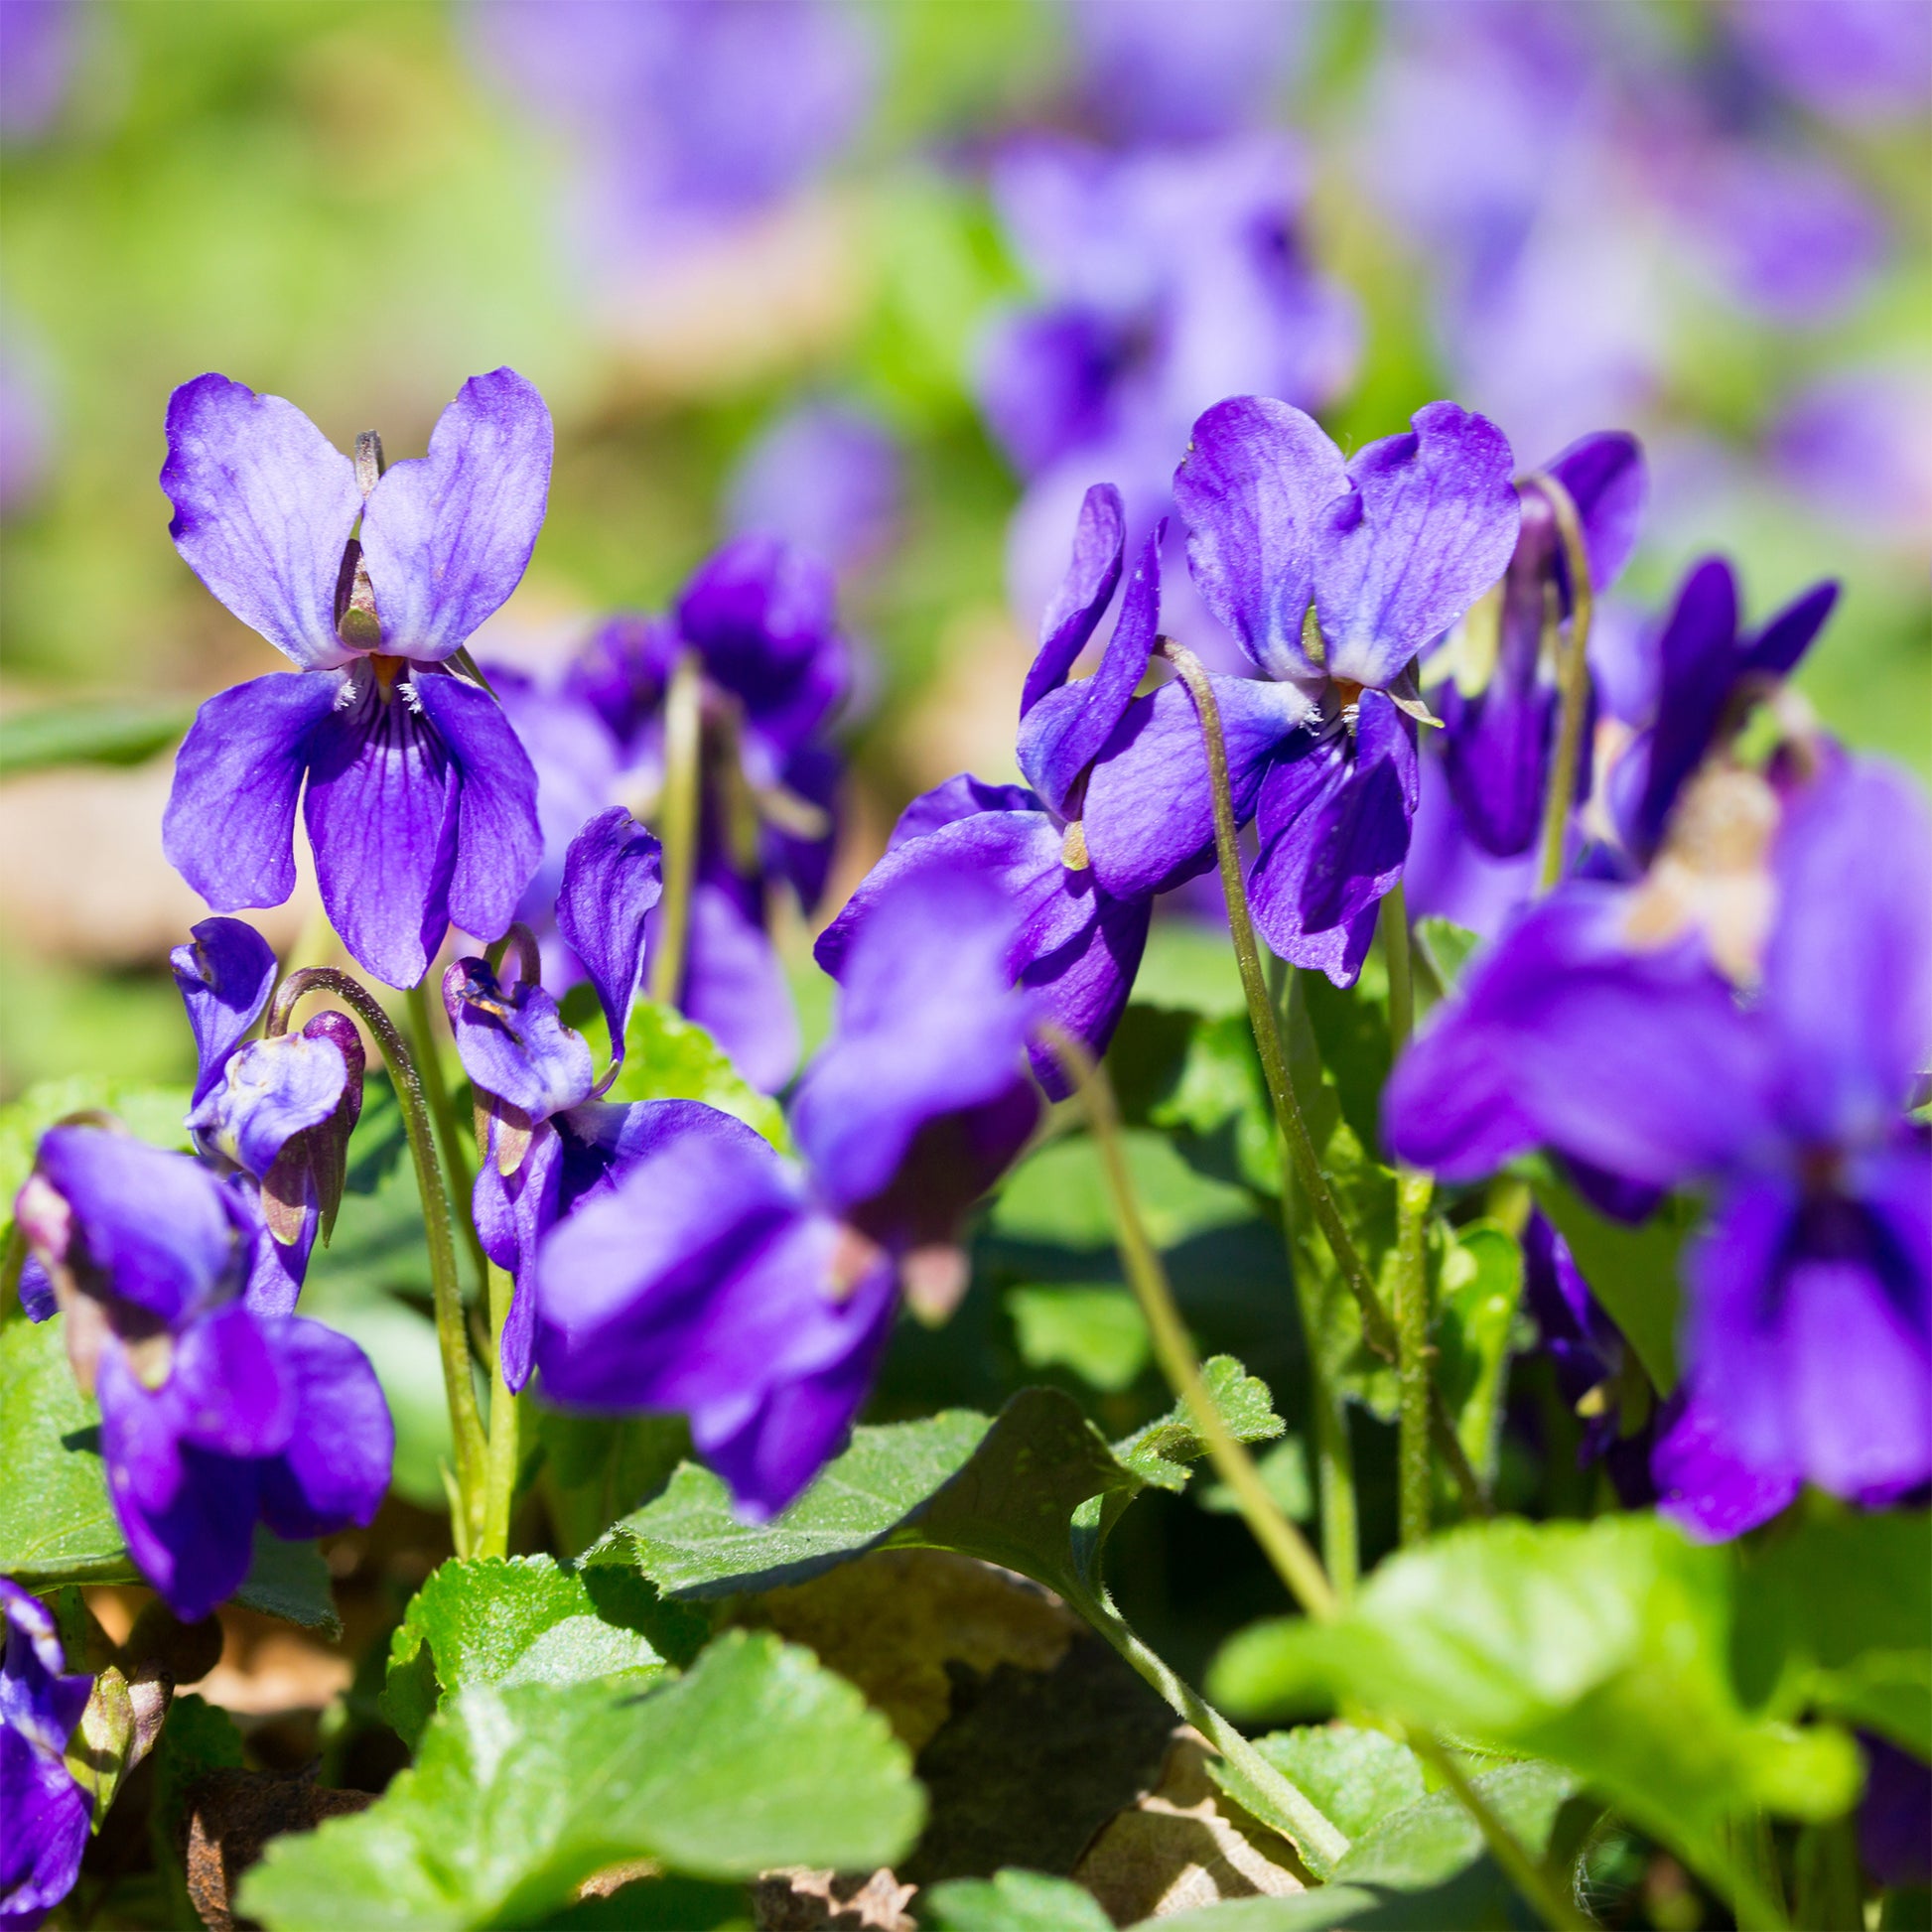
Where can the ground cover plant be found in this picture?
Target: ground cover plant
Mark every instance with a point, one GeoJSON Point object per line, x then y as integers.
{"type": "Point", "coordinates": [1315, 1311]}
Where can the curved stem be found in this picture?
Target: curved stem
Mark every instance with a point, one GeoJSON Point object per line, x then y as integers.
{"type": "Point", "coordinates": [500, 1491]}
{"type": "Point", "coordinates": [1572, 681]}
{"type": "Point", "coordinates": [465, 1424]}
{"type": "Point", "coordinates": [1553, 1906]}
{"type": "Point", "coordinates": [1284, 1546]}
{"type": "Point", "coordinates": [449, 1135]}
{"type": "Point", "coordinates": [1377, 1328]}
{"type": "Point", "coordinates": [529, 956]}
{"type": "Point", "coordinates": [678, 823]}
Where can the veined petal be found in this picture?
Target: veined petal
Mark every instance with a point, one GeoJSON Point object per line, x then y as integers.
{"type": "Point", "coordinates": [1426, 525]}
{"type": "Point", "coordinates": [499, 842]}
{"type": "Point", "coordinates": [382, 812]}
{"type": "Point", "coordinates": [447, 536]}
{"type": "Point", "coordinates": [263, 504]}
{"type": "Point", "coordinates": [1250, 490]}
{"type": "Point", "coordinates": [224, 975]}
{"type": "Point", "coordinates": [1064, 730]}
{"type": "Point", "coordinates": [612, 877]}
{"type": "Point", "coordinates": [334, 1470]}
{"type": "Point", "coordinates": [1148, 814]}
{"type": "Point", "coordinates": [1099, 544]}
{"type": "Point", "coordinates": [229, 827]}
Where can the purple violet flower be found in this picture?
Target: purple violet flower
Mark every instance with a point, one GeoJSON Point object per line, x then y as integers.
{"type": "Point", "coordinates": [1807, 1336]}
{"type": "Point", "coordinates": [1077, 944]}
{"type": "Point", "coordinates": [421, 804]}
{"type": "Point", "coordinates": [721, 1280]}
{"type": "Point", "coordinates": [43, 1812]}
{"type": "Point", "coordinates": [1333, 575]}
{"type": "Point", "coordinates": [214, 1414]}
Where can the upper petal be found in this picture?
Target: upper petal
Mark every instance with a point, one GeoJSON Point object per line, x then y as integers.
{"type": "Point", "coordinates": [263, 506]}
{"type": "Point", "coordinates": [229, 826]}
{"type": "Point", "coordinates": [1697, 660]}
{"type": "Point", "coordinates": [1092, 573]}
{"type": "Point", "coordinates": [1607, 479]}
{"type": "Point", "coordinates": [447, 536]}
{"type": "Point", "coordinates": [1426, 524]}
{"type": "Point", "coordinates": [272, 1090]}
{"type": "Point", "coordinates": [1785, 638]}
{"type": "Point", "coordinates": [612, 877]}
{"type": "Point", "coordinates": [224, 975]}
{"type": "Point", "coordinates": [958, 797]}
{"type": "Point", "coordinates": [1250, 490]}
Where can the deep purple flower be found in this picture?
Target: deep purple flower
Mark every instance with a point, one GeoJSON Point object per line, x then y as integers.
{"type": "Point", "coordinates": [214, 1414]}
{"type": "Point", "coordinates": [43, 1812]}
{"type": "Point", "coordinates": [721, 1280]}
{"type": "Point", "coordinates": [1895, 1814]}
{"type": "Point", "coordinates": [1332, 576]}
{"type": "Point", "coordinates": [1807, 1339]}
{"type": "Point", "coordinates": [1077, 944]}
{"type": "Point", "coordinates": [1499, 707]}
{"type": "Point", "coordinates": [421, 803]}
{"type": "Point", "coordinates": [825, 478]}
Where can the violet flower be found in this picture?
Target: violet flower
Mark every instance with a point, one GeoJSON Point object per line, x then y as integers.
{"type": "Point", "coordinates": [421, 804]}
{"type": "Point", "coordinates": [214, 1414]}
{"type": "Point", "coordinates": [1500, 705]}
{"type": "Point", "coordinates": [1332, 576]}
{"type": "Point", "coordinates": [1077, 944]}
{"type": "Point", "coordinates": [1807, 1337]}
{"type": "Point", "coordinates": [825, 478]}
{"type": "Point", "coordinates": [552, 1140]}
{"type": "Point", "coordinates": [44, 1811]}
{"type": "Point", "coordinates": [723, 1281]}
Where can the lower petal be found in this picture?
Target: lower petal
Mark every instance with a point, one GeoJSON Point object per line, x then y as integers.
{"type": "Point", "coordinates": [335, 1468]}
{"type": "Point", "coordinates": [1705, 1484]}
{"type": "Point", "coordinates": [1087, 982]}
{"type": "Point", "coordinates": [229, 827]}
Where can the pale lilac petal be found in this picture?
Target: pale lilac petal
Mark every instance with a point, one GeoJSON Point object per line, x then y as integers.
{"type": "Point", "coordinates": [1427, 525]}
{"type": "Point", "coordinates": [264, 504]}
{"type": "Point", "coordinates": [382, 812]}
{"type": "Point", "coordinates": [224, 976]}
{"type": "Point", "coordinates": [229, 826]}
{"type": "Point", "coordinates": [498, 843]}
{"type": "Point", "coordinates": [447, 536]}
{"type": "Point", "coordinates": [612, 877]}
{"type": "Point", "coordinates": [1099, 544]}
{"type": "Point", "coordinates": [1250, 490]}
{"type": "Point", "coordinates": [1150, 811]}
{"type": "Point", "coordinates": [334, 1470]}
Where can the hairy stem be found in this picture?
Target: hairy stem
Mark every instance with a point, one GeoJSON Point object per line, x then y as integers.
{"type": "Point", "coordinates": [678, 823]}
{"type": "Point", "coordinates": [457, 1162]}
{"type": "Point", "coordinates": [1415, 1482]}
{"type": "Point", "coordinates": [1553, 1905]}
{"type": "Point", "coordinates": [1284, 1546]}
{"type": "Point", "coordinates": [1377, 1328]}
{"type": "Point", "coordinates": [500, 1490]}
{"type": "Point", "coordinates": [1572, 682]}
{"type": "Point", "coordinates": [466, 1423]}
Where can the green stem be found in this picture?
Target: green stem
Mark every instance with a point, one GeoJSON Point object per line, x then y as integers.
{"type": "Point", "coordinates": [678, 823]}
{"type": "Point", "coordinates": [449, 1135]}
{"type": "Point", "coordinates": [1314, 1835]}
{"type": "Point", "coordinates": [1572, 682]}
{"type": "Point", "coordinates": [1553, 1905]}
{"type": "Point", "coordinates": [1755, 1885]}
{"type": "Point", "coordinates": [1415, 1483]}
{"type": "Point", "coordinates": [1377, 1328]}
{"type": "Point", "coordinates": [500, 1491]}
{"type": "Point", "coordinates": [1284, 1546]}
{"type": "Point", "coordinates": [466, 1423]}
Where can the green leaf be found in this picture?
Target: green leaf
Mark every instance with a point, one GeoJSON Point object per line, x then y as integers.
{"type": "Point", "coordinates": [1357, 1777]}
{"type": "Point", "coordinates": [57, 1524]}
{"type": "Point", "coordinates": [1447, 945]}
{"type": "Point", "coordinates": [1058, 1194]}
{"type": "Point", "coordinates": [1098, 1331]}
{"type": "Point", "coordinates": [1479, 1289]}
{"type": "Point", "coordinates": [1164, 1454]}
{"type": "Point", "coordinates": [669, 1058]}
{"type": "Point", "coordinates": [290, 1581]}
{"type": "Point", "coordinates": [1351, 1031]}
{"type": "Point", "coordinates": [530, 1620]}
{"type": "Point", "coordinates": [95, 733]}
{"type": "Point", "coordinates": [1012, 1902]}
{"type": "Point", "coordinates": [1631, 1271]}
{"type": "Point", "coordinates": [759, 1757]}
{"type": "Point", "coordinates": [1603, 1647]}
{"type": "Point", "coordinates": [1429, 1841]}
{"type": "Point", "coordinates": [1199, 1080]}
{"type": "Point", "coordinates": [1005, 1492]}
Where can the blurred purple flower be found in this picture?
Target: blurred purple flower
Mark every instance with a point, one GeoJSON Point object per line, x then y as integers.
{"type": "Point", "coordinates": [39, 40]}
{"type": "Point", "coordinates": [1077, 944]}
{"type": "Point", "coordinates": [1332, 576]}
{"type": "Point", "coordinates": [43, 1812]}
{"type": "Point", "coordinates": [1808, 1330]}
{"type": "Point", "coordinates": [682, 115]}
{"type": "Point", "coordinates": [721, 1280]}
{"type": "Point", "coordinates": [826, 479]}
{"type": "Point", "coordinates": [421, 804]}
{"type": "Point", "coordinates": [1854, 61]}
{"type": "Point", "coordinates": [1856, 445]}
{"type": "Point", "coordinates": [214, 1414]}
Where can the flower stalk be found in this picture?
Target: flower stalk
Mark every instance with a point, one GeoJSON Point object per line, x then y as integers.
{"type": "Point", "coordinates": [679, 817]}
{"type": "Point", "coordinates": [1572, 681]}
{"type": "Point", "coordinates": [1414, 1480]}
{"type": "Point", "coordinates": [499, 1484]}
{"type": "Point", "coordinates": [457, 1162]}
{"type": "Point", "coordinates": [466, 1423]}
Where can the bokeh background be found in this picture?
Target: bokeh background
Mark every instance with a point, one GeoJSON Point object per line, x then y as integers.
{"type": "Point", "coordinates": [900, 280]}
